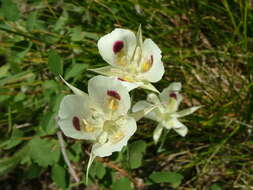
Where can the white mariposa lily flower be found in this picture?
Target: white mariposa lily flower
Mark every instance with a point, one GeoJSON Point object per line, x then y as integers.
{"type": "Point", "coordinates": [166, 113]}
{"type": "Point", "coordinates": [131, 60]}
{"type": "Point", "coordinates": [100, 116]}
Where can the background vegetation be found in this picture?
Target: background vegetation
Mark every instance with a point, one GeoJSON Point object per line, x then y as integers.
{"type": "Point", "coordinates": [206, 44]}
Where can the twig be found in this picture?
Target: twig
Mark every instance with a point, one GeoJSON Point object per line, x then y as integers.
{"type": "Point", "coordinates": [63, 150]}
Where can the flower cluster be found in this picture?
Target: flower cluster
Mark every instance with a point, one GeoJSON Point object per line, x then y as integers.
{"type": "Point", "coordinates": [103, 115]}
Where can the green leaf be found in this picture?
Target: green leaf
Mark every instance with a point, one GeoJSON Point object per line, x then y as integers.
{"type": "Point", "coordinates": [55, 63]}
{"type": "Point", "coordinates": [10, 10]}
{"type": "Point", "coordinates": [9, 163]}
{"type": "Point", "coordinates": [215, 187]}
{"type": "Point", "coordinates": [75, 70]}
{"type": "Point", "coordinates": [59, 175]}
{"type": "Point", "coordinates": [122, 184]}
{"type": "Point", "coordinates": [77, 34]}
{"type": "Point", "coordinates": [136, 152]}
{"type": "Point", "coordinates": [167, 177]}
{"type": "Point", "coordinates": [44, 152]}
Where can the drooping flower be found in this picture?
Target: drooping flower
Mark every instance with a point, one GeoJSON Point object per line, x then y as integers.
{"type": "Point", "coordinates": [100, 116]}
{"type": "Point", "coordinates": [134, 62]}
{"type": "Point", "coordinates": [165, 112]}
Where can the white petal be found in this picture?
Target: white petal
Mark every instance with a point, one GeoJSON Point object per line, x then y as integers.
{"type": "Point", "coordinates": [143, 108]}
{"type": "Point", "coordinates": [107, 71]}
{"type": "Point", "coordinates": [179, 127]}
{"type": "Point", "coordinates": [131, 85]}
{"type": "Point", "coordinates": [98, 88]}
{"type": "Point", "coordinates": [173, 87]}
{"type": "Point", "coordinates": [75, 106]}
{"type": "Point", "coordinates": [74, 89]}
{"type": "Point", "coordinates": [108, 148]}
{"type": "Point", "coordinates": [157, 133]}
{"type": "Point", "coordinates": [185, 112]}
{"type": "Point", "coordinates": [149, 86]}
{"type": "Point", "coordinates": [157, 69]}
{"type": "Point", "coordinates": [107, 42]}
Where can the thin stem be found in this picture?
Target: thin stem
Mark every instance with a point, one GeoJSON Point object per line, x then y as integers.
{"type": "Point", "coordinates": [63, 150]}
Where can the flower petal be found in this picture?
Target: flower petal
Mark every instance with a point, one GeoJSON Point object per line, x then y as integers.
{"type": "Point", "coordinates": [74, 89]}
{"type": "Point", "coordinates": [72, 110]}
{"type": "Point", "coordinates": [144, 109]}
{"type": "Point", "coordinates": [112, 43]}
{"type": "Point", "coordinates": [128, 129]}
{"type": "Point", "coordinates": [157, 133]}
{"type": "Point", "coordinates": [179, 127]}
{"type": "Point", "coordinates": [151, 50]}
{"type": "Point", "coordinates": [149, 86]}
{"type": "Point", "coordinates": [100, 86]}
{"type": "Point", "coordinates": [166, 93]}
{"type": "Point", "coordinates": [185, 112]}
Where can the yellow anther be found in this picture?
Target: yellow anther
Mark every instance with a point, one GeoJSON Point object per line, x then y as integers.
{"type": "Point", "coordinates": [146, 66]}
{"type": "Point", "coordinates": [117, 137]}
{"type": "Point", "coordinates": [113, 104]}
{"type": "Point", "coordinates": [121, 59]}
{"type": "Point", "coordinates": [85, 126]}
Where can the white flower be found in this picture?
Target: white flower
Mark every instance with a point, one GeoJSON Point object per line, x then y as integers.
{"type": "Point", "coordinates": [100, 116]}
{"type": "Point", "coordinates": [131, 60]}
{"type": "Point", "coordinates": [166, 113]}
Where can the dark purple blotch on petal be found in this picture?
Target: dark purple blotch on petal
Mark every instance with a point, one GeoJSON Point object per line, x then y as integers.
{"type": "Point", "coordinates": [113, 94]}
{"type": "Point", "coordinates": [117, 46]}
{"type": "Point", "coordinates": [76, 123]}
{"type": "Point", "coordinates": [173, 95]}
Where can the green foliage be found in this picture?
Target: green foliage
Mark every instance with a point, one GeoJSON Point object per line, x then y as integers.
{"type": "Point", "coordinates": [9, 10]}
{"type": "Point", "coordinates": [215, 187]}
{"type": "Point", "coordinates": [44, 152]}
{"type": "Point", "coordinates": [173, 178]}
{"type": "Point", "coordinates": [136, 152]}
{"type": "Point", "coordinates": [122, 184]}
{"type": "Point", "coordinates": [59, 175]}
{"type": "Point", "coordinates": [207, 45]}
{"type": "Point", "coordinates": [55, 63]}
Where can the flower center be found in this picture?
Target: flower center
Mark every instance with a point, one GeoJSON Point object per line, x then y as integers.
{"type": "Point", "coordinates": [113, 101]}
{"type": "Point", "coordinates": [112, 129]}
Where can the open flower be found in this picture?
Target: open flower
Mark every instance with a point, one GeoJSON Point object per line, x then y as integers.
{"type": "Point", "coordinates": [165, 112]}
{"type": "Point", "coordinates": [100, 116]}
{"type": "Point", "coordinates": [131, 60]}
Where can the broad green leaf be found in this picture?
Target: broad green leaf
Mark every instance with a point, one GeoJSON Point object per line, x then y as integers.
{"type": "Point", "coordinates": [122, 184]}
{"type": "Point", "coordinates": [55, 63]}
{"type": "Point", "coordinates": [59, 175]}
{"type": "Point", "coordinates": [136, 152]}
{"type": "Point", "coordinates": [97, 169]}
{"type": "Point", "coordinates": [215, 187]}
{"type": "Point", "coordinates": [75, 70]}
{"type": "Point", "coordinates": [44, 152]}
{"type": "Point", "coordinates": [10, 10]}
{"type": "Point", "coordinates": [167, 177]}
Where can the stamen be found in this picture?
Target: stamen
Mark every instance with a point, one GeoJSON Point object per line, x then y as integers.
{"type": "Point", "coordinates": [117, 137]}
{"type": "Point", "coordinates": [117, 46]}
{"type": "Point", "coordinates": [113, 104]}
{"type": "Point", "coordinates": [86, 127]}
{"type": "Point", "coordinates": [147, 65]}
{"type": "Point", "coordinates": [76, 123]}
{"type": "Point", "coordinates": [173, 95]}
{"type": "Point", "coordinates": [113, 94]}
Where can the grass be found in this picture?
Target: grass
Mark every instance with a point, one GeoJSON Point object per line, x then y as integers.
{"type": "Point", "coordinates": [206, 44]}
